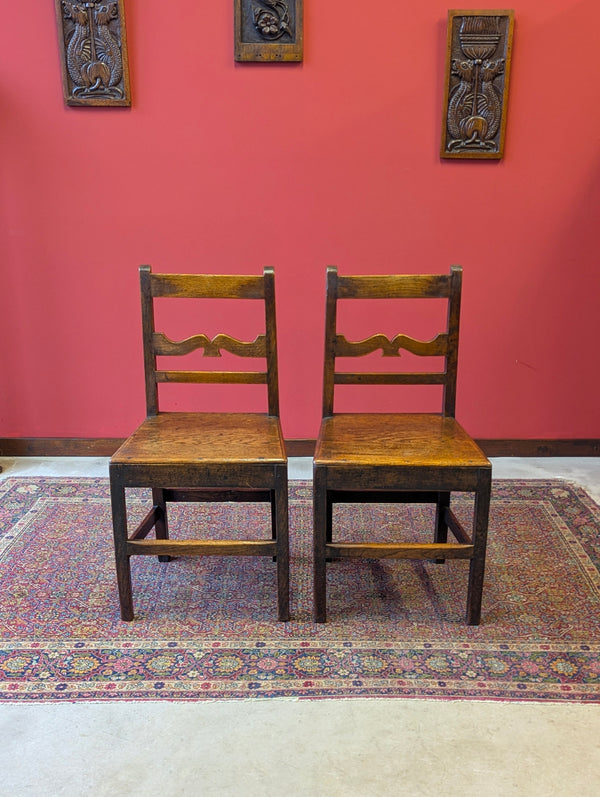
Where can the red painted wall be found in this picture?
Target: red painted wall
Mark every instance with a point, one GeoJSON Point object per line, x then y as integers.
{"type": "Point", "coordinates": [228, 167]}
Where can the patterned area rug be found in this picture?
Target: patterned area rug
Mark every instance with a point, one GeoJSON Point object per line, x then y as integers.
{"type": "Point", "coordinates": [206, 628]}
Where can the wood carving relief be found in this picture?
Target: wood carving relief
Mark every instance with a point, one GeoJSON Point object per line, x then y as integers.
{"type": "Point", "coordinates": [212, 347]}
{"type": "Point", "coordinates": [268, 30]}
{"type": "Point", "coordinates": [476, 86]}
{"type": "Point", "coordinates": [438, 346]}
{"type": "Point", "coordinates": [93, 47]}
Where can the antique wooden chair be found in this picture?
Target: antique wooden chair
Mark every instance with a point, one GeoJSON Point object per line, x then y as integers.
{"type": "Point", "coordinates": [203, 456]}
{"type": "Point", "coordinates": [398, 457]}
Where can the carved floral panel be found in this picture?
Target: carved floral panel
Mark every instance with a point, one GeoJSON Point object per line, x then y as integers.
{"type": "Point", "coordinates": [268, 30]}
{"type": "Point", "coordinates": [93, 48]}
{"type": "Point", "coordinates": [476, 86]}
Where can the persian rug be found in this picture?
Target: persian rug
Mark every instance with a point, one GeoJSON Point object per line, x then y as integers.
{"type": "Point", "coordinates": [206, 628]}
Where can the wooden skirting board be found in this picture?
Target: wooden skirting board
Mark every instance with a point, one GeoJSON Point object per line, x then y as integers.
{"type": "Point", "coordinates": [106, 446]}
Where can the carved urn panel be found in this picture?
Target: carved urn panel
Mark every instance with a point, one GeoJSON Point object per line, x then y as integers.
{"type": "Point", "coordinates": [476, 86]}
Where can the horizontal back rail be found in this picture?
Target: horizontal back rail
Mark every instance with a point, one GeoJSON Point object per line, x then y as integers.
{"type": "Point", "coordinates": [395, 286]}
{"type": "Point", "coordinates": [207, 286]}
{"type": "Point", "coordinates": [429, 378]}
{"type": "Point", "coordinates": [212, 377]}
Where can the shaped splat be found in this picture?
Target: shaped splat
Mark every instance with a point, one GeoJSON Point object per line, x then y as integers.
{"type": "Point", "coordinates": [391, 348]}
{"type": "Point", "coordinates": [212, 347]}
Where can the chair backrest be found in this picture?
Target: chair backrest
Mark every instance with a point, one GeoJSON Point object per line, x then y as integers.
{"type": "Point", "coordinates": [409, 286]}
{"type": "Point", "coordinates": [208, 286]}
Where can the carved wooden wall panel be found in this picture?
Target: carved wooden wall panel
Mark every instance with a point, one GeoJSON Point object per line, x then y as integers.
{"type": "Point", "coordinates": [93, 48]}
{"type": "Point", "coordinates": [476, 85]}
{"type": "Point", "coordinates": [268, 30]}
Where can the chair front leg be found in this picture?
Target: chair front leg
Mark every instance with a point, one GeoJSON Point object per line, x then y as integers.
{"type": "Point", "coordinates": [321, 515]}
{"type": "Point", "coordinates": [274, 516]}
{"type": "Point", "coordinates": [119, 517]}
{"type": "Point", "coordinates": [280, 528]}
{"type": "Point", "coordinates": [480, 529]}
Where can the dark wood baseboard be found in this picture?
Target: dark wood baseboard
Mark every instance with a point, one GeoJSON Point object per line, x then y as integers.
{"type": "Point", "coordinates": [541, 448]}
{"type": "Point", "coordinates": [99, 447]}
{"type": "Point", "coordinates": [59, 446]}
{"type": "Point", "coordinates": [300, 448]}
{"type": "Point", "coordinates": [106, 446]}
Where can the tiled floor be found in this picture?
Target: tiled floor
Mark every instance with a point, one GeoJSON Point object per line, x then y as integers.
{"type": "Point", "coordinates": [315, 748]}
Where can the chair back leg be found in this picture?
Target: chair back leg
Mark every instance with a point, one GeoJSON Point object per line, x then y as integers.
{"type": "Point", "coordinates": [481, 512]}
{"type": "Point", "coordinates": [281, 532]}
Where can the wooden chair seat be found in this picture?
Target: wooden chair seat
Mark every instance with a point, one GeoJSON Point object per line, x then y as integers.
{"type": "Point", "coordinates": [396, 440]}
{"type": "Point", "coordinates": [182, 438]}
{"type": "Point", "coordinates": [203, 456]}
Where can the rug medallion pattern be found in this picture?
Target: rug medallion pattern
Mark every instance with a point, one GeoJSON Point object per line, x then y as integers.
{"type": "Point", "coordinates": [206, 628]}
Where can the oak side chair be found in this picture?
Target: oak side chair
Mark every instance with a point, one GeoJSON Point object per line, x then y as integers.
{"type": "Point", "coordinates": [398, 457]}
{"type": "Point", "coordinates": [203, 456]}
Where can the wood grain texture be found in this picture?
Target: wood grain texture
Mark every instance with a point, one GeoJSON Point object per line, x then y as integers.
{"type": "Point", "coordinates": [206, 286]}
{"type": "Point", "coordinates": [389, 550]}
{"type": "Point", "coordinates": [163, 345]}
{"type": "Point", "coordinates": [193, 438]}
{"type": "Point", "coordinates": [418, 440]}
{"type": "Point", "coordinates": [202, 548]}
{"type": "Point", "coordinates": [394, 286]}
{"type": "Point", "coordinates": [437, 347]}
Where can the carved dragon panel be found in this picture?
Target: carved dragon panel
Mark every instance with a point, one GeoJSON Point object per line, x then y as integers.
{"type": "Point", "coordinates": [93, 48]}
{"type": "Point", "coordinates": [268, 30]}
{"type": "Point", "coordinates": [476, 86]}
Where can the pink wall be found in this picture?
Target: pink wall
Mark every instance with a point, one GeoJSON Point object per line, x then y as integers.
{"type": "Point", "coordinates": [228, 167]}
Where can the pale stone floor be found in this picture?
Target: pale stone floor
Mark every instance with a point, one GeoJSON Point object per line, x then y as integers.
{"type": "Point", "coordinates": [315, 748]}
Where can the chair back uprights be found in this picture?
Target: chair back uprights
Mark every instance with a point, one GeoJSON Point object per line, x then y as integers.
{"type": "Point", "coordinates": [208, 286]}
{"type": "Point", "coordinates": [445, 344]}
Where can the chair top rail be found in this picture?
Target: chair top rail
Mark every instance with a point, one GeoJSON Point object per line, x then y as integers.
{"type": "Point", "coordinates": [207, 286]}
{"type": "Point", "coordinates": [397, 286]}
